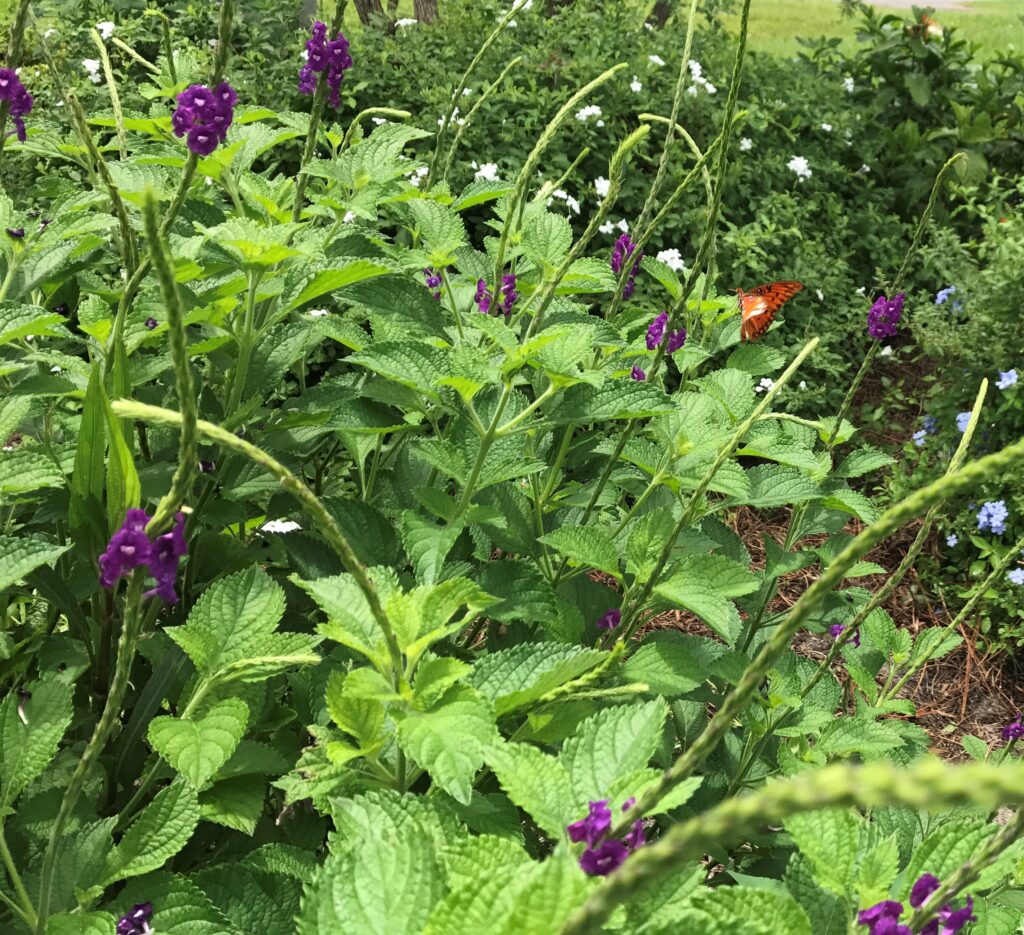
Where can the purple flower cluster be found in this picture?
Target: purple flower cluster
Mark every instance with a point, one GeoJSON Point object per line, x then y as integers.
{"type": "Point", "coordinates": [837, 631]}
{"type": "Point", "coordinates": [656, 334]}
{"type": "Point", "coordinates": [992, 516]}
{"type": "Point", "coordinates": [508, 293]}
{"type": "Point", "coordinates": [637, 374]}
{"type": "Point", "coordinates": [18, 99]}
{"type": "Point", "coordinates": [205, 116]}
{"type": "Point", "coordinates": [130, 548]}
{"type": "Point", "coordinates": [322, 56]}
{"type": "Point", "coordinates": [609, 620]}
{"type": "Point", "coordinates": [433, 282]}
{"type": "Point", "coordinates": [624, 250]}
{"type": "Point", "coordinates": [884, 316]}
{"type": "Point", "coordinates": [136, 921]}
{"type": "Point", "coordinates": [884, 917]}
{"type": "Point", "coordinates": [602, 856]}
{"type": "Point", "coordinates": [1014, 730]}
{"type": "Point", "coordinates": [483, 297]}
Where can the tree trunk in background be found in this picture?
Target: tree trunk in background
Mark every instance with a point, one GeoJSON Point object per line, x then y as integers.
{"type": "Point", "coordinates": [425, 11]}
{"type": "Point", "coordinates": [660, 13]}
{"type": "Point", "coordinates": [392, 8]}
{"type": "Point", "coordinates": [368, 11]}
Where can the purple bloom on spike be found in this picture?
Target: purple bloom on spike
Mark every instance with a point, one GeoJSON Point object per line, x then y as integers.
{"type": "Point", "coordinates": [151, 323]}
{"type": "Point", "coordinates": [610, 620]}
{"type": "Point", "coordinates": [837, 630]}
{"type": "Point", "coordinates": [602, 860]}
{"type": "Point", "coordinates": [656, 331]}
{"type": "Point", "coordinates": [954, 920]}
{"type": "Point", "coordinates": [883, 918]}
{"type": "Point", "coordinates": [594, 826]}
{"type": "Point", "coordinates": [676, 340]}
{"type": "Point", "coordinates": [322, 56]}
{"type": "Point", "coordinates": [136, 920]}
{"type": "Point", "coordinates": [18, 99]}
{"type": "Point", "coordinates": [482, 297]}
{"type": "Point", "coordinates": [129, 548]}
{"type": "Point", "coordinates": [637, 374]}
{"type": "Point", "coordinates": [202, 140]}
{"type": "Point", "coordinates": [1014, 730]}
{"type": "Point", "coordinates": [204, 116]}
{"type": "Point", "coordinates": [508, 293]}
{"type": "Point", "coordinates": [434, 281]}
{"type": "Point", "coordinates": [623, 251]}
{"type": "Point", "coordinates": [163, 562]}
{"type": "Point", "coordinates": [884, 316]}
{"type": "Point", "coordinates": [922, 889]}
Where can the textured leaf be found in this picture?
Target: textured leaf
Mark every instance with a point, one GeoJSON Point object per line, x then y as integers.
{"type": "Point", "coordinates": [473, 859]}
{"type": "Point", "coordinates": [417, 366]}
{"type": "Point", "coordinates": [180, 907]}
{"type": "Point", "coordinates": [440, 228]}
{"type": "Point", "coordinates": [612, 744]}
{"type": "Point", "coordinates": [828, 839]}
{"type": "Point", "coordinates": [751, 911]}
{"type": "Point", "coordinates": [849, 735]}
{"type": "Point", "coordinates": [427, 544]}
{"type": "Point", "coordinates": [876, 872]}
{"type": "Point", "coordinates": [617, 399]}
{"type": "Point", "coordinates": [537, 782]}
{"type": "Point", "coordinates": [26, 749]}
{"type": "Point", "coordinates": [588, 546]}
{"type": "Point", "coordinates": [20, 555]}
{"type": "Point", "coordinates": [235, 803]}
{"type": "Point", "coordinates": [863, 461]}
{"type": "Point", "coordinates": [656, 906]}
{"type": "Point", "coordinates": [18, 322]}
{"type": "Point", "coordinates": [198, 747]}
{"type": "Point", "coordinates": [666, 663]}
{"type": "Point", "coordinates": [945, 850]}
{"type": "Point", "coordinates": [24, 470]}
{"type": "Point", "coordinates": [350, 271]}
{"type": "Point", "coordinates": [253, 901]}
{"type": "Point", "coordinates": [231, 631]}
{"type": "Point", "coordinates": [545, 895]}
{"type": "Point", "coordinates": [774, 485]}
{"type": "Point", "coordinates": [700, 598]}
{"type": "Point", "coordinates": [80, 923]}
{"type": "Point", "coordinates": [162, 829]}
{"type": "Point", "coordinates": [450, 741]}
{"type": "Point", "coordinates": [827, 913]}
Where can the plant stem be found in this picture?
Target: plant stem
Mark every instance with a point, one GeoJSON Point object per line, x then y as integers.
{"type": "Point", "coordinates": [28, 912]}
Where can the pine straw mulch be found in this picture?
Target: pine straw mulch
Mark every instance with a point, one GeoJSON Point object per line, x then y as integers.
{"type": "Point", "coordinates": [965, 692]}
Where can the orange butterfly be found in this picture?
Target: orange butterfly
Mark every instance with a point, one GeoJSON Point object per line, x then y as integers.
{"type": "Point", "coordinates": [759, 305]}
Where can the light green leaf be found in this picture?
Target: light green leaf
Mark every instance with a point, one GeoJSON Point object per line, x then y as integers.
{"type": "Point", "coordinates": [198, 747]}
{"type": "Point", "coordinates": [450, 741]}
{"type": "Point", "coordinates": [27, 746]}
{"type": "Point", "coordinates": [666, 663]}
{"type": "Point", "coordinates": [417, 366]}
{"type": "Point", "coordinates": [773, 485]}
{"type": "Point", "coordinates": [877, 870]}
{"type": "Point", "coordinates": [545, 895]}
{"type": "Point", "coordinates": [25, 470]}
{"type": "Point", "coordinates": [828, 839]}
{"type": "Point", "coordinates": [18, 322]}
{"type": "Point", "coordinates": [863, 461]}
{"type": "Point", "coordinates": [470, 860]}
{"type": "Point", "coordinates": [946, 849]}
{"type": "Point", "coordinates": [616, 399]}
{"type": "Point", "coordinates": [440, 229]}
{"type": "Point", "coordinates": [744, 909]}
{"type": "Point", "coordinates": [80, 923]}
{"type": "Point", "coordinates": [235, 803]}
{"type": "Point", "coordinates": [706, 602]}
{"type": "Point", "coordinates": [851, 735]}
{"type": "Point", "coordinates": [20, 555]}
{"type": "Point", "coordinates": [161, 830]}
{"type": "Point", "coordinates": [589, 546]}
{"type": "Point", "coordinates": [536, 782]}
{"type": "Point", "coordinates": [343, 272]}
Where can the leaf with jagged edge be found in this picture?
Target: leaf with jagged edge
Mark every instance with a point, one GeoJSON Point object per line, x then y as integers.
{"type": "Point", "coordinates": [706, 602]}
{"type": "Point", "coordinates": [180, 907]}
{"type": "Point", "coordinates": [255, 902]}
{"type": "Point", "coordinates": [18, 322]}
{"type": "Point", "coordinates": [876, 871]}
{"type": "Point", "coordinates": [283, 860]}
{"type": "Point", "coordinates": [735, 909]}
{"type": "Point", "coordinates": [25, 470]}
{"type": "Point", "coordinates": [828, 914]}
{"type": "Point", "coordinates": [442, 230]}
{"type": "Point", "coordinates": [235, 803]}
{"type": "Point", "coordinates": [231, 632]}
{"type": "Point", "coordinates": [198, 746]}
{"type": "Point", "coordinates": [838, 496]}
{"type": "Point", "coordinates": [945, 850]}
{"type": "Point", "coordinates": [427, 544]}
{"type": "Point", "coordinates": [536, 782]}
{"type": "Point", "coordinates": [860, 736]}
{"type": "Point", "coordinates": [450, 741]}
{"type": "Point", "coordinates": [20, 555]}
{"type": "Point", "coordinates": [863, 461]}
{"type": "Point", "coordinates": [80, 923]}
{"type": "Point", "coordinates": [828, 839]}
{"type": "Point", "coordinates": [656, 905]}
{"type": "Point", "coordinates": [161, 830]}
{"type": "Point", "coordinates": [26, 749]}
{"type": "Point", "coordinates": [470, 860]}
{"type": "Point", "coordinates": [612, 744]}
{"type": "Point", "coordinates": [773, 485]}
{"type": "Point", "coordinates": [523, 592]}
{"type": "Point", "coordinates": [616, 399]}
{"type": "Point", "coordinates": [587, 546]}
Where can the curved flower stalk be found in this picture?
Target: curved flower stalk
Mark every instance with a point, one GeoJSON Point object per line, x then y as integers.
{"type": "Point", "coordinates": [115, 98]}
{"type": "Point", "coordinates": [931, 784]}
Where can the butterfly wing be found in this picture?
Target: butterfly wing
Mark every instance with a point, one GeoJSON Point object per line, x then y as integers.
{"type": "Point", "coordinates": [759, 306]}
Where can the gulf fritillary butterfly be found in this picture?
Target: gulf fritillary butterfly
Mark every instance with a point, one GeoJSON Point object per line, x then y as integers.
{"type": "Point", "coordinates": [759, 305]}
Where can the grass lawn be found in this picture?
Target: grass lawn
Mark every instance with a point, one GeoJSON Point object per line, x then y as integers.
{"type": "Point", "coordinates": [774, 24]}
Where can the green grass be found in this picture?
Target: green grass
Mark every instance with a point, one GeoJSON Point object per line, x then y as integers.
{"type": "Point", "coordinates": [995, 25]}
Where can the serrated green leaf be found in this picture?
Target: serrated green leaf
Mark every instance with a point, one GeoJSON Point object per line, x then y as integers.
{"type": "Point", "coordinates": [18, 322]}
{"type": "Point", "coordinates": [80, 923]}
{"type": "Point", "coordinates": [750, 911]}
{"type": "Point", "coordinates": [20, 555]}
{"type": "Point", "coordinates": [536, 782]}
{"type": "Point", "coordinates": [343, 272]}
{"type": "Point", "coordinates": [235, 803]}
{"type": "Point", "coordinates": [945, 850]}
{"type": "Point", "coordinates": [828, 839]}
{"type": "Point", "coordinates": [417, 366]}
{"type": "Point", "coordinates": [25, 470]}
{"type": "Point", "coordinates": [666, 663]}
{"type": "Point", "coordinates": [863, 461]}
{"type": "Point", "coordinates": [28, 745]}
{"type": "Point", "coordinates": [851, 735]}
{"type": "Point", "coordinates": [162, 829]}
{"type": "Point", "coordinates": [197, 747]}
{"type": "Point", "coordinates": [588, 546]}
{"type": "Point", "coordinates": [698, 597]}
{"type": "Point", "coordinates": [180, 907]}
{"type": "Point", "coordinates": [877, 870]}
{"type": "Point", "coordinates": [616, 399]}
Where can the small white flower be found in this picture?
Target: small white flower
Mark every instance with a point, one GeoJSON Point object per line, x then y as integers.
{"type": "Point", "coordinates": [601, 186]}
{"type": "Point", "coordinates": [623, 225]}
{"type": "Point", "coordinates": [585, 113]}
{"type": "Point", "coordinates": [696, 71]}
{"type": "Point", "coordinates": [466, 92]}
{"type": "Point", "coordinates": [599, 124]}
{"type": "Point", "coordinates": [318, 313]}
{"type": "Point", "coordinates": [572, 204]}
{"type": "Point", "coordinates": [848, 84]}
{"type": "Point", "coordinates": [864, 169]}
{"type": "Point", "coordinates": [607, 228]}
{"type": "Point", "coordinates": [512, 24]}
{"type": "Point", "coordinates": [886, 351]}
{"type": "Point", "coordinates": [8, 448]}
{"type": "Point", "coordinates": [280, 526]}
{"type": "Point", "coordinates": [799, 167]}
{"type": "Point", "coordinates": [208, 180]}
{"type": "Point", "coordinates": [349, 217]}
{"type": "Point", "coordinates": [488, 172]}
{"type": "Point", "coordinates": [827, 127]}
{"type": "Point", "coordinates": [105, 29]}
{"type": "Point", "coordinates": [635, 86]}
{"type": "Point", "coordinates": [672, 258]}
{"type": "Point", "coordinates": [802, 384]}
{"type": "Point", "coordinates": [692, 90]}
{"type": "Point", "coordinates": [656, 60]}
{"type": "Point", "coordinates": [746, 144]}
{"type": "Point", "coordinates": [402, 23]}
{"type": "Point", "coordinates": [820, 295]}
{"type": "Point", "coordinates": [49, 33]}
{"type": "Point", "coordinates": [55, 369]}
{"type": "Point", "coordinates": [378, 120]}
{"type": "Point", "coordinates": [765, 385]}
{"type": "Point", "coordinates": [92, 66]}
{"type": "Point", "coordinates": [862, 290]}
{"type": "Point", "coordinates": [710, 88]}
{"type": "Point", "coordinates": [213, 43]}
{"type": "Point", "coordinates": [649, 27]}
{"type": "Point", "coordinates": [418, 175]}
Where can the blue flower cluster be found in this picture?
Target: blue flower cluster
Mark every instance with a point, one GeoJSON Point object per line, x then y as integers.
{"type": "Point", "coordinates": [992, 517]}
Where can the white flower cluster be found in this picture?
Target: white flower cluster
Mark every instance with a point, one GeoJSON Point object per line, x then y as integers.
{"type": "Point", "coordinates": [591, 110]}
{"type": "Point", "coordinates": [656, 60]}
{"type": "Point", "coordinates": [418, 175]}
{"type": "Point", "coordinates": [698, 79]}
{"type": "Point", "coordinates": [488, 171]}
{"type": "Point", "coordinates": [92, 67]}
{"type": "Point", "coordinates": [746, 144]}
{"type": "Point", "coordinates": [848, 84]}
{"type": "Point", "coordinates": [456, 119]}
{"type": "Point", "coordinates": [799, 166]}
{"type": "Point", "coordinates": [318, 313]}
{"type": "Point", "coordinates": [601, 186]}
{"type": "Point", "coordinates": [635, 86]}
{"type": "Point", "coordinates": [572, 203]}
{"type": "Point", "coordinates": [765, 385]}
{"type": "Point", "coordinates": [280, 526]}
{"type": "Point", "coordinates": [609, 227]}
{"type": "Point", "coordinates": [105, 29]}
{"type": "Point", "coordinates": [672, 258]}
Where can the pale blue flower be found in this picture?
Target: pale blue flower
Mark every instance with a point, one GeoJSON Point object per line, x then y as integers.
{"type": "Point", "coordinates": [962, 421]}
{"type": "Point", "coordinates": [993, 516]}
{"type": "Point", "coordinates": [942, 296]}
{"type": "Point", "coordinates": [952, 540]}
{"type": "Point", "coordinates": [1006, 379]}
{"type": "Point", "coordinates": [919, 437]}
{"type": "Point", "coordinates": [1016, 576]}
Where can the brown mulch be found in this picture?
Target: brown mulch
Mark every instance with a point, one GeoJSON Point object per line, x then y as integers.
{"type": "Point", "coordinates": [965, 692]}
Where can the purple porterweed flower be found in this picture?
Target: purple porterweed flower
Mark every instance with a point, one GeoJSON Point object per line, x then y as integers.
{"type": "Point", "coordinates": [136, 920]}
{"type": "Point", "coordinates": [204, 116]}
{"type": "Point", "coordinates": [676, 339]}
{"type": "Point", "coordinates": [1014, 730]}
{"type": "Point", "coordinates": [837, 630]}
{"type": "Point", "coordinates": [508, 293]}
{"type": "Point", "coordinates": [624, 250]}
{"type": "Point", "coordinates": [637, 374]}
{"type": "Point", "coordinates": [23, 696]}
{"type": "Point", "coordinates": [18, 233]}
{"type": "Point", "coordinates": [602, 860]}
{"type": "Point", "coordinates": [163, 562]}
{"type": "Point", "coordinates": [592, 828]}
{"type": "Point", "coordinates": [434, 281]}
{"type": "Point", "coordinates": [482, 297]}
{"type": "Point", "coordinates": [202, 140]}
{"type": "Point", "coordinates": [924, 887]}
{"type": "Point", "coordinates": [952, 920]}
{"type": "Point", "coordinates": [992, 516]}
{"type": "Point", "coordinates": [883, 918]}
{"type": "Point", "coordinates": [609, 620]}
{"type": "Point", "coordinates": [19, 100]}
{"type": "Point", "coordinates": [151, 323]}
{"type": "Point", "coordinates": [884, 316]}
{"type": "Point", "coordinates": [635, 838]}
{"type": "Point", "coordinates": [656, 331]}
{"type": "Point", "coordinates": [307, 79]}
{"type": "Point", "coordinates": [129, 548]}
{"type": "Point", "coordinates": [207, 467]}
{"type": "Point", "coordinates": [322, 56]}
